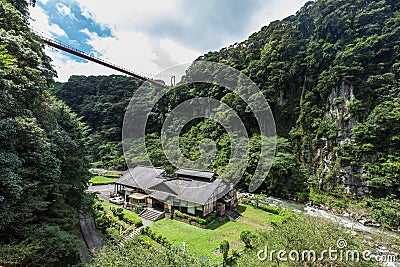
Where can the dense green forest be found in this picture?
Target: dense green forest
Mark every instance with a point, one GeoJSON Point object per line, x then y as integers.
{"type": "Point", "coordinates": [330, 74]}
{"type": "Point", "coordinates": [102, 102]}
{"type": "Point", "coordinates": [43, 161]}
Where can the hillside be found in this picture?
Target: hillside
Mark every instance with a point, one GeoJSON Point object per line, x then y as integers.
{"type": "Point", "coordinates": [331, 74]}
{"type": "Point", "coordinates": [101, 101]}
{"type": "Point", "coordinates": [43, 160]}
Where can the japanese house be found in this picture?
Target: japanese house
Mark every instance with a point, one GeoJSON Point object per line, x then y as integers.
{"type": "Point", "coordinates": [195, 192]}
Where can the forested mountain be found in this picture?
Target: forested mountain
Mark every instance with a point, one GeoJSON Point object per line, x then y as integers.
{"type": "Point", "coordinates": [43, 161]}
{"type": "Point", "coordinates": [101, 101]}
{"type": "Point", "coordinates": [331, 75]}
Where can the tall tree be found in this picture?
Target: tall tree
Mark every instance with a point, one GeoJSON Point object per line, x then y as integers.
{"type": "Point", "coordinates": [43, 161]}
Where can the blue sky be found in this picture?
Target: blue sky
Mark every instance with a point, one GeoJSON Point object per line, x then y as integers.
{"type": "Point", "coordinates": [148, 37]}
{"type": "Point", "coordinates": [76, 26]}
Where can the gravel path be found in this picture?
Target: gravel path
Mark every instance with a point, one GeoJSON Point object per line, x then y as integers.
{"type": "Point", "coordinates": [104, 190]}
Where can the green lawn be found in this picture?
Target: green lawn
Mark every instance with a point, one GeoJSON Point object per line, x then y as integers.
{"type": "Point", "coordinates": [205, 242]}
{"type": "Point", "coordinates": [258, 216]}
{"type": "Point", "coordinates": [101, 180]}
{"type": "Point", "coordinates": [201, 242]}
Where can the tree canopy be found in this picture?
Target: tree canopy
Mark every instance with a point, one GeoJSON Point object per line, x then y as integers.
{"type": "Point", "coordinates": [43, 160]}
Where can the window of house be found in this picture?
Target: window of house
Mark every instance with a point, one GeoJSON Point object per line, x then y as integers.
{"type": "Point", "coordinates": [191, 208]}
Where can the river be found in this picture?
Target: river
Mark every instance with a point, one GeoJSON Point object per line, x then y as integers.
{"type": "Point", "coordinates": [346, 222]}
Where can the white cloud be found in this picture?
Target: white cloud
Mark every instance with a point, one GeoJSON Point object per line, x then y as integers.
{"type": "Point", "coordinates": [63, 10]}
{"type": "Point", "coordinates": [87, 13]}
{"type": "Point", "coordinates": [137, 50]}
{"type": "Point", "coordinates": [54, 28]}
{"type": "Point", "coordinates": [127, 13]}
{"type": "Point", "coordinates": [41, 23]}
{"type": "Point", "coordinates": [92, 35]}
{"type": "Point", "coordinates": [179, 52]}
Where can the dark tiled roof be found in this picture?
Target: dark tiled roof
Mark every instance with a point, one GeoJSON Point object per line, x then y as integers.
{"type": "Point", "coordinates": [160, 195]}
{"type": "Point", "coordinates": [195, 191]}
{"type": "Point", "coordinates": [141, 177]}
{"type": "Point", "coordinates": [195, 173]}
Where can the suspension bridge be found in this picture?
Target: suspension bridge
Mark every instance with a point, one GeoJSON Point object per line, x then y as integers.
{"type": "Point", "coordinates": [71, 50]}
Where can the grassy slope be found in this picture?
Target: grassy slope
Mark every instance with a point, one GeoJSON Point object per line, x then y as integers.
{"type": "Point", "coordinates": [203, 242]}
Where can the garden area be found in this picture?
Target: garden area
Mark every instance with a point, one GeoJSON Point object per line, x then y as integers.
{"type": "Point", "coordinates": [263, 216]}
{"type": "Point", "coordinates": [205, 243]}
{"type": "Point", "coordinates": [113, 220]}
{"type": "Point", "coordinates": [230, 243]}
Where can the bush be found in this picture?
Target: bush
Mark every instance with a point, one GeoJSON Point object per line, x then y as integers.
{"type": "Point", "coordinates": [202, 221]}
{"type": "Point", "coordinates": [112, 233]}
{"type": "Point", "coordinates": [59, 247]}
{"type": "Point", "coordinates": [190, 218]}
{"type": "Point", "coordinates": [246, 237]}
{"type": "Point", "coordinates": [318, 197]}
{"type": "Point", "coordinates": [137, 222]}
{"type": "Point", "coordinates": [138, 209]}
{"type": "Point", "coordinates": [143, 230]}
{"type": "Point", "coordinates": [210, 218]}
{"type": "Point", "coordinates": [387, 211]}
{"type": "Point", "coordinates": [270, 209]}
{"type": "Point", "coordinates": [224, 248]}
{"type": "Point", "coordinates": [165, 241]}
{"type": "Point", "coordinates": [117, 211]}
{"type": "Point", "coordinates": [235, 254]}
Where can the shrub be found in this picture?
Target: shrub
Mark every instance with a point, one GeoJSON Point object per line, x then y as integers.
{"type": "Point", "coordinates": [135, 221]}
{"type": "Point", "coordinates": [190, 218]}
{"type": "Point", "coordinates": [318, 197]}
{"type": "Point", "coordinates": [224, 248]}
{"type": "Point", "coordinates": [112, 233]}
{"type": "Point", "coordinates": [270, 209]}
{"type": "Point", "coordinates": [210, 218]}
{"type": "Point", "coordinates": [235, 254]}
{"type": "Point", "coordinates": [46, 246]}
{"type": "Point", "coordinates": [202, 221]}
{"type": "Point", "coordinates": [138, 209]}
{"type": "Point", "coordinates": [246, 237]}
{"type": "Point", "coordinates": [245, 201]}
{"type": "Point", "coordinates": [117, 211]}
{"type": "Point", "coordinates": [164, 240]}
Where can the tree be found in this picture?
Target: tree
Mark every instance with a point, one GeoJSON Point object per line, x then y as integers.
{"type": "Point", "coordinates": [246, 237]}
{"type": "Point", "coordinates": [224, 248]}
{"type": "Point", "coordinates": [43, 160]}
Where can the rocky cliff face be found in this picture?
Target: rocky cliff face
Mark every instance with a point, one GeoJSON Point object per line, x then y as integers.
{"type": "Point", "coordinates": [331, 75]}
{"type": "Point", "coordinates": [329, 163]}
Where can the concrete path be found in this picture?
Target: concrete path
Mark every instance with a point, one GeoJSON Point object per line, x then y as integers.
{"type": "Point", "coordinates": [104, 190]}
